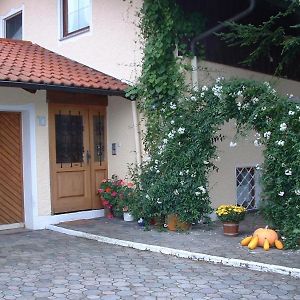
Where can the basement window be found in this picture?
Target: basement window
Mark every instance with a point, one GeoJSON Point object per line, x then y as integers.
{"type": "Point", "coordinates": [248, 187]}
{"type": "Point", "coordinates": [76, 16]}
{"type": "Point", "coordinates": [13, 27]}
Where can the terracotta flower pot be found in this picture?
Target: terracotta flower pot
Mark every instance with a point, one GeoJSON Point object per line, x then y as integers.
{"type": "Point", "coordinates": [175, 224]}
{"type": "Point", "coordinates": [108, 213]}
{"type": "Point", "coordinates": [231, 229]}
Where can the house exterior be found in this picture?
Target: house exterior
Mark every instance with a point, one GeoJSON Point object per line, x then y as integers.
{"type": "Point", "coordinates": [47, 99]}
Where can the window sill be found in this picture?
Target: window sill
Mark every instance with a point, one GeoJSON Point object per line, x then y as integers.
{"type": "Point", "coordinates": [71, 35]}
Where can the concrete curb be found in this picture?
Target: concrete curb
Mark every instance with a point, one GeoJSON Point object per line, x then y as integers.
{"type": "Point", "coordinates": [233, 262]}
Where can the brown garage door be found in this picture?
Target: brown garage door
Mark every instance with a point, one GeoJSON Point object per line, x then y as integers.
{"type": "Point", "coordinates": [11, 187]}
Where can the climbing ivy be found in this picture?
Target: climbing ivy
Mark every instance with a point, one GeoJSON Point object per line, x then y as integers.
{"type": "Point", "coordinates": [182, 130]}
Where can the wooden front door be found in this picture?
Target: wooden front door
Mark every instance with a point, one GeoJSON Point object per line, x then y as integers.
{"type": "Point", "coordinates": [11, 178]}
{"type": "Point", "coordinates": [78, 156]}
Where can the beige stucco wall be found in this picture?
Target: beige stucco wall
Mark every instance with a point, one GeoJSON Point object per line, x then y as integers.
{"type": "Point", "coordinates": [121, 132]}
{"type": "Point", "coordinates": [223, 183]}
{"type": "Point", "coordinates": [110, 46]}
{"type": "Point", "coordinates": [16, 96]}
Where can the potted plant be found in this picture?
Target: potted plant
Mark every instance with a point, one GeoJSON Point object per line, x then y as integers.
{"type": "Point", "coordinates": [115, 195]}
{"type": "Point", "coordinates": [230, 216]}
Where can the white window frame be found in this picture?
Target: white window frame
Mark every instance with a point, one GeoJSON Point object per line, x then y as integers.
{"type": "Point", "coordinates": [13, 12]}
{"type": "Point", "coordinates": [60, 13]}
{"type": "Point", "coordinates": [257, 185]}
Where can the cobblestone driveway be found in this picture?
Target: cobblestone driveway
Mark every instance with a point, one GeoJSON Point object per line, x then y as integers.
{"type": "Point", "coordinates": [48, 265]}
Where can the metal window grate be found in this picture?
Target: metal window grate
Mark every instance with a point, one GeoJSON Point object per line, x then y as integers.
{"type": "Point", "coordinates": [248, 189]}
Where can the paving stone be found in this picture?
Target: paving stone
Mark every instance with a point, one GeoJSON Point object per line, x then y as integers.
{"type": "Point", "coordinates": [47, 265]}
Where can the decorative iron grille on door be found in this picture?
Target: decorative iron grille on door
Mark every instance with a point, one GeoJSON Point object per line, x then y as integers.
{"type": "Point", "coordinates": [248, 187]}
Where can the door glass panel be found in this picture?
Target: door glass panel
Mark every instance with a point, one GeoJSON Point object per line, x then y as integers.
{"type": "Point", "coordinates": [98, 133]}
{"type": "Point", "coordinates": [69, 138]}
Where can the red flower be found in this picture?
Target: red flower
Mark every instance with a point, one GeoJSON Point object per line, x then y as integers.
{"type": "Point", "coordinates": [107, 190]}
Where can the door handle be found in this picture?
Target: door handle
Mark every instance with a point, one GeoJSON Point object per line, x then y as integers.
{"type": "Point", "coordinates": [88, 156]}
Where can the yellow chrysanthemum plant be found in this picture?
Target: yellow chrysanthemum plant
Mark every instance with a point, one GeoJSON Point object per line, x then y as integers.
{"type": "Point", "coordinates": [231, 213]}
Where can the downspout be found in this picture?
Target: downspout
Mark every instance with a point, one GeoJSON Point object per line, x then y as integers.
{"type": "Point", "coordinates": [207, 33]}
{"type": "Point", "coordinates": [137, 138]}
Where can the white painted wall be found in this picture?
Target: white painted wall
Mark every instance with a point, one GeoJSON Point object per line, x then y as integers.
{"type": "Point", "coordinates": [223, 183]}
{"type": "Point", "coordinates": [121, 132]}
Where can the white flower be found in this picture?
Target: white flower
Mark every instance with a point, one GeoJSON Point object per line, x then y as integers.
{"type": "Point", "coordinates": [170, 135]}
{"type": "Point", "coordinates": [158, 202]}
{"type": "Point", "coordinates": [256, 143]}
{"type": "Point", "coordinates": [288, 172]}
{"type": "Point", "coordinates": [291, 113]}
{"type": "Point", "coordinates": [280, 194]}
{"type": "Point", "coordinates": [181, 130]}
{"type": "Point", "coordinates": [280, 143]}
{"type": "Point", "coordinates": [197, 193]}
{"type": "Point", "coordinates": [193, 175]}
{"type": "Point", "coordinates": [181, 173]}
{"type": "Point", "coordinates": [157, 171]}
{"type": "Point", "coordinates": [204, 88]}
{"type": "Point", "coordinates": [176, 192]}
{"type": "Point", "coordinates": [182, 182]}
{"type": "Point", "coordinates": [267, 84]}
{"type": "Point", "coordinates": [257, 167]}
{"type": "Point", "coordinates": [232, 144]}
{"type": "Point", "coordinates": [187, 171]}
{"type": "Point", "coordinates": [263, 108]}
{"type": "Point", "coordinates": [255, 100]}
{"type": "Point", "coordinates": [283, 127]}
{"type": "Point", "coordinates": [193, 98]}
{"type": "Point", "coordinates": [297, 192]}
{"type": "Point", "coordinates": [206, 162]}
{"type": "Point", "coordinates": [173, 105]}
{"type": "Point", "coordinates": [267, 134]}
{"type": "Point", "coordinates": [298, 107]}
{"type": "Point", "coordinates": [147, 196]}
{"type": "Point", "coordinates": [202, 95]}
{"type": "Point", "coordinates": [165, 141]}
{"type": "Point", "coordinates": [217, 90]}
{"type": "Point", "coordinates": [172, 122]}
{"type": "Point", "coordinates": [156, 162]}
{"type": "Point", "coordinates": [202, 189]}
{"type": "Point", "coordinates": [239, 105]}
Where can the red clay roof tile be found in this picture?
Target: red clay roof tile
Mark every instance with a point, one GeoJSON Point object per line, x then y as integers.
{"type": "Point", "coordinates": [25, 62]}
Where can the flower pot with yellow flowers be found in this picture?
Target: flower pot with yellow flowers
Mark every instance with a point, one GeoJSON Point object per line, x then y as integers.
{"type": "Point", "coordinates": [230, 216]}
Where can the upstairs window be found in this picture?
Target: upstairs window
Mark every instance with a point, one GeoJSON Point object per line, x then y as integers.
{"type": "Point", "coordinates": [76, 16]}
{"type": "Point", "coordinates": [13, 27]}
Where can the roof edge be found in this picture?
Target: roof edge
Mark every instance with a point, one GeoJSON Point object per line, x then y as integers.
{"type": "Point", "coordinates": [82, 90]}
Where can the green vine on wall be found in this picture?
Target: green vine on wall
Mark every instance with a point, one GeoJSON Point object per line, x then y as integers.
{"type": "Point", "coordinates": [182, 130]}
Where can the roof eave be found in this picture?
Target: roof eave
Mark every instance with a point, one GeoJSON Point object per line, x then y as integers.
{"type": "Point", "coordinates": [71, 89]}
